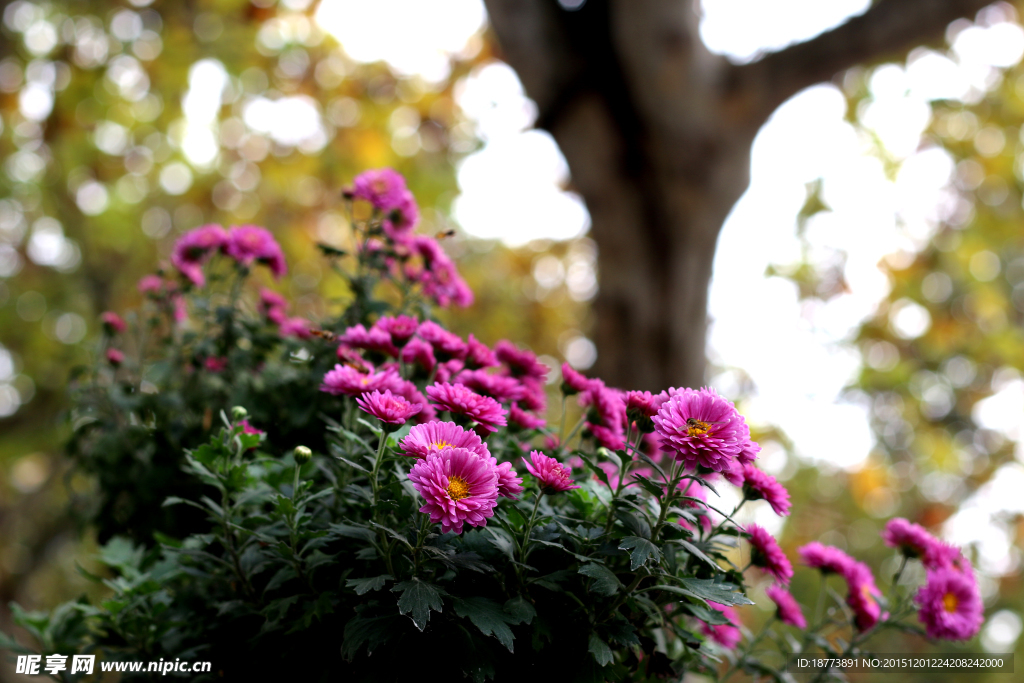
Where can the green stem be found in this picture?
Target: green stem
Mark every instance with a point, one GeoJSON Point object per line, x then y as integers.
{"type": "Point", "coordinates": [747, 650]}
{"type": "Point", "coordinates": [529, 529]}
{"type": "Point", "coordinates": [732, 516]}
{"type": "Point", "coordinates": [821, 601]}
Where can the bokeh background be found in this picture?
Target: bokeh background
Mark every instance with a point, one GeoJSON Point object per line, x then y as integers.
{"type": "Point", "coordinates": [867, 302]}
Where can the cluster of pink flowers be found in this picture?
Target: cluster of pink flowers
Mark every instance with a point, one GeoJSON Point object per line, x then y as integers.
{"type": "Point", "coordinates": [274, 308]}
{"type": "Point", "coordinates": [458, 478]}
{"type": "Point", "coordinates": [862, 593]}
{"type": "Point", "coordinates": [418, 258]}
{"type": "Point", "coordinates": [950, 604]}
{"type": "Point", "coordinates": [472, 382]}
{"type": "Point", "coordinates": [246, 244]}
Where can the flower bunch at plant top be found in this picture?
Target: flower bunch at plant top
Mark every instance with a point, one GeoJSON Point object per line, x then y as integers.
{"type": "Point", "coordinates": [365, 485]}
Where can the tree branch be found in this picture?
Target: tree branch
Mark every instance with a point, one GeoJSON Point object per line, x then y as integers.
{"type": "Point", "coordinates": [889, 29]}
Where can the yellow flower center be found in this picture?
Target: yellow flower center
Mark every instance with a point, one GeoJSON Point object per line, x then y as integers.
{"type": "Point", "coordinates": [950, 602]}
{"type": "Point", "coordinates": [364, 381]}
{"type": "Point", "coordinates": [458, 488]}
{"type": "Point", "coordinates": [441, 445]}
{"type": "Point", "coordinates": [695, 427]}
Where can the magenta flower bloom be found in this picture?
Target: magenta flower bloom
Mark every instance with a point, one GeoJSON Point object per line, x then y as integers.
{"type": "Point", "coordinates": [401, 218]}
{"type": "Point", "coordinates": [433, 437]}
{"type": "Point", "coordinates": [912, 539]}
{"type": "Point", "coordinates": [115, 357]}
{"type": "Point", "coordinates": [950, 605]}
{"type": "Point", "coordinates": [523, 419]}
{"type": "Point", "coordinates": [758, 485]}
{"type": "Point", "coordinates": [344, 379]}
{"type": "Point", "coordinates": [300, 328]}
{"type": "Point", "coordinates": [387, 407]}
{"type": "Point", "coordinates": [411, 393]}
{"type": "Point", "coordinates": [447, 370]}
{"type": "Point", "coordinates": [612, 439]}
{"type": "Point", "coordinates": [553, 476]}
{"type": "Point", "coordinates": [446, 344]}
{"type": "Point", "coordinates": [401, 328]}
{"type": "Point", "coordinates": [499, 387]}
{"type": "Point", "coordinates": [113, 323]}
{"type": "Point", "coordinates": [460, 400]}
{"type": "Point", "coordinates": [641, 403]}
{"type": "Point", "coordinates": [420, 353]}
{"type": "Point", "coordinates": [863, 595]}
{"type": "Point", "coordinates": [273, 306]}
{"type": "Point", "coordinates": [942, 555]}
{"type": "Point", "coordinates": [249, 243]}
{"type": "Point", "coordinates": [573, 382]}
{"type": "Point", "coordinates": [726, 635]}
{"type": "Point", "coordinates": [702, 429]}
{"type": "Point", "coordinates": [215, 364]}
{"type": "Point", "coordinates": [789, 611]}
{"type": "Point", "coordinates": [374, 339]}
{"type": "Point", "coordinates": [534, 396]}
{"type": "Point", "coordinates": [510, 485]}
{"type": "Point", "coordinates": [828, 559]}
{"type": "Point", "coordinates": [194, 247]}
{"type": "Point", "coordinates": [150, 284]}
{"type": "Point", "coordinates": [383, 187]}
{"type": "Point", "coordinates": [459, 487]}
{"type": "Point", "coordinates": [520, 362]}
{"type": "Point", "coordinates": [766, 554]}
{"type": "Point", "coordinates": [478, 354]}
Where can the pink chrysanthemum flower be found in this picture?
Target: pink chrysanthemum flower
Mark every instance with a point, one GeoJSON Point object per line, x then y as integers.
{"type": "Point", "coordinates": [510, 484]}
{"type": "Point", "coordinates": [387, 407]}
{"type": "Point", "coordinates": [828, 559]}
{"type": "Point", "coordinates": [460, 400]}
{"type": "Point", "coordinates": [950, 605]}
{"type": "Point", "coordinates": [215, 364]}
{"type": "Point", "coordinates": [726, 635]}
{"type": "Point", "coordinates": [300, 328]}
{"type": "Point", "coordinates": [433, 437]}
{"type": "Point", "coordinates": [401, 328]}
{"type": "Point", "coordinates": [766, 554]}
{"type": "Point", "coordinates": [250, 243]}
{"type": "Point", "coordinates": [344, 379]}
{"type": "Point", "coordinates": [420, 353]}
{"type": "Point", "coordinates": [942, 555]}
{"type": "Point", "coordinates": [446, 344]}
{"type": "Point", "coordinates": [520, 362]}
{"type": "Point", "coordinates": [438, 276]}
{"type": "Point", "coordinates": [758, 485]}
{"type": "Point", "coordinates": [612, 439]}
{"type": "Point", "coordinates": [401, 218]}
{"type": "Point", "coordinates": [373, 339]}
{"type": "Point", "coordinates": [115, 357]}
{"type": "Point", "coordinates": [447, 370]}
{"type": "Point", "coordinates": [194, 247]}
{"type": "Point", "coordinates": [383, 187]}
{"type": "Point", "coordinates": [459, 487]}
{"type": "Point", "coordinates": [573, 382]}
{"type": "Point", "coordinates": [150, 284]}
{"type": "Point", "coordinates": [273, 306]}
{"type": "Point", "coordinates": [913, 540]}
{"type": "Point", "coordinates": [553, 476]}
{"type": "Point", "coordinates": [789, 611]}
{"type": "Point", "coordinates": [524, 419]}
{"type": "Point", "coordinates": [863, 595]}
{"type": "Point", "coordinates": [702, 429]}
{"type": "Point", "coordinates": [113, 323]}
{"type": "Point", "coordinates": [478, 354]}
{"type": "Point", "coordinates": [499, 387]}
{"type": "Point", "coordinates": [640, 403]}
{"type": "Point", "coordinates": [411, 393]}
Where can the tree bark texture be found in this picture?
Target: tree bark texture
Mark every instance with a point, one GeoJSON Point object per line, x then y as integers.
{"type": "Point", "coordinates": [657, 132]}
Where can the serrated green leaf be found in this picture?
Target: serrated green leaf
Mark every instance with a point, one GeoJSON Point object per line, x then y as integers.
{"type": "Point", "coordinates": [697, 552]}
{"type": "Point", "coordinates": [605, 582]}
{"type": "Point", "coordinates": [724, 593]}
{"type": "Point", "coordinates": [363, 586]}
{"type": "Point", "coordinates": [489, 617]}
{"type": "Point", "coordinates": [600, 650]}
{"type": "Point", "coordinates": [418, 598]}
{"type": "Point", "coordinates": [520, 611]}
{"type": "Point", "coordinates": [642, 549]}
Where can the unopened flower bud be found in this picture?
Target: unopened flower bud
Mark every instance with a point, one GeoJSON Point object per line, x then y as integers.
{"type": "Point", "coordinates": [239, 413]}
{"type": "Point", "coordinates": [302, 455]}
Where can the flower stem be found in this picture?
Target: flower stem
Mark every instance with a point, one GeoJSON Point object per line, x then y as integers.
{"type": "Point", "coordinates": [529, 528]}
{"type": "Point", "coordinates": [747, 650]}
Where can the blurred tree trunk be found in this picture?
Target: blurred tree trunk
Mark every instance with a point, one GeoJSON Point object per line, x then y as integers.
{"type": "Point", "coordinates": [657, 132]}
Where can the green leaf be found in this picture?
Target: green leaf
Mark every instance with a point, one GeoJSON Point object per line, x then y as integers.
{"type": "Point", "coordinates": [602, 653]}
{"type": "Point", "coordinates": [520, 611]}
{"type": "Point", "coordinates": [633, 522]}
{"type": "Point", "coordinates": [373, 631]}
{"type": "Point", "coordinates": [655, 490]}
{"type": "Point", "coordinates": [724, 593]}
{"type": "Point", "coordinates": [418, 598]}
{"type": "Point", "coordinates": [642, 550]}
{"type": "Point", "coordinates": [605, 581]}
{"type": "Point", "coordinates": [351, 531]}
{"type": "Point", "coordinates": [363, 586]}
{"type": "Point", "coordinates": [489, 617]}
{"type": "Point", "coordinates": [696, 552]}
